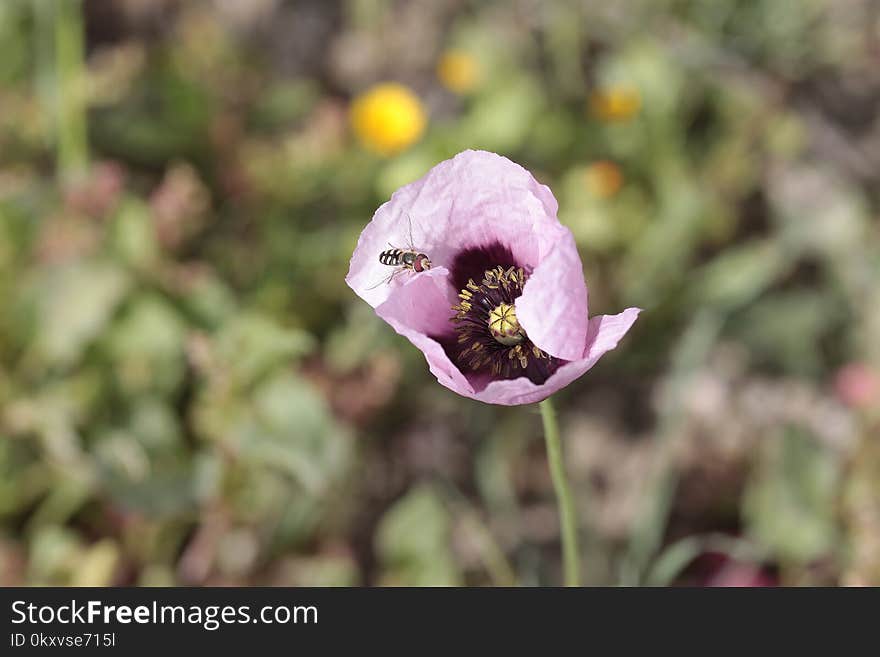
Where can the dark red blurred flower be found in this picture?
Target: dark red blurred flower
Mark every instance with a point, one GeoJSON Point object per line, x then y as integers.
{"type": "Point", "coordinates": [716, 569]}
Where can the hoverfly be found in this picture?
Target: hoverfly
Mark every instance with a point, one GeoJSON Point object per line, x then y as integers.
{"type": "Point", "coordinates": [403, 259]}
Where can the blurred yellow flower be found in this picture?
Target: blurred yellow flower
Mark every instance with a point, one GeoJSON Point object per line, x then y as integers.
{"type": "Point", "coordinates": [459, 71]}
{"type": "Point", "coordinates": [619, 103]}
{"type": "Point", "coordinates": [388, 118]}
{"type": "Point", "coordinates": [604, 179]}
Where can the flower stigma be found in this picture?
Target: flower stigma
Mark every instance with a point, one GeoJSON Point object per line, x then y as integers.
{"type": "Point", "coordinates": [504, 326]}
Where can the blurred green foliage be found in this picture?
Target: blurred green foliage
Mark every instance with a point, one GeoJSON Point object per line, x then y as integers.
{"type": "Point", "coordinates": [189, 393]}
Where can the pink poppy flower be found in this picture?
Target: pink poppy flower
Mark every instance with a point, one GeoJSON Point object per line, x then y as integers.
{"type": "Point", "coordinates": [857, 385]}
{"type": "Point", "coordinates": [500, 311]}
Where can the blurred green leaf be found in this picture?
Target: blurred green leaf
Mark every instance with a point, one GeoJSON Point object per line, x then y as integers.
{"type": "Point", "coordinates": [413, 541]}
{"type": "Point", "coordinates": [76, 302]}
{"type": "Point", "coordinates": [54, 553]}
{"type": "Point", "coordinates": [501, 119]}
{"type": "Point", "coordinates": [739, 274]}
{"type": "Point", "coordinates": [785, 329]}
{"type": "Point", "coordinates": [252, 345]}
{"type": "Point", "coordinates": [147, 345]}
{"type": "Point", "coordinates": [167, 117]}
{"type": "Point", "coordinates": [134, 234]}
{"type": "Point", "coordinates": [284, 103]}
{"type": "Point", "coordinates": [789, 504]}
{"type": "Point", "coordinates": [293, 431]}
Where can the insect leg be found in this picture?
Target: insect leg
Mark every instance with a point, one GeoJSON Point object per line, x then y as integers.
{"type": "Point", "coordinates": [387, 279]}
{"type": "Point", "coordinates": [395, 273]}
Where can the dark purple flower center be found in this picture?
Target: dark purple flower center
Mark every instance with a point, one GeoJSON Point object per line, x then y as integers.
{"type": "Point", "coordinates": [488, 338]}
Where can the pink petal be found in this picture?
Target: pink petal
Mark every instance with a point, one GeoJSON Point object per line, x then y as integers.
{"type": "Point", "coordinates": [422, 307]}
{"type": "Point", "coordinates": [605, 331]}
{"type": "Point", "coordinates": [474, 199]}
{"type": "Point", "coordinates": [553, 306]}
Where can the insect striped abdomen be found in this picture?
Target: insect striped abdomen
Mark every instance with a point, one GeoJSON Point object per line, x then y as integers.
{"type": "Point", "coordinates": [390, 257]}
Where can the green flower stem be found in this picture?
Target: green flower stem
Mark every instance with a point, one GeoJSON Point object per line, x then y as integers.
{"type": "Point", "coordinates": [567, 516]}
{"type": "Point", "coordinates": [70, 80]}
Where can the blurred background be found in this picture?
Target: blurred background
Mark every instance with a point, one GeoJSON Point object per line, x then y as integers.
{"type": "Point", "coordinates": [190, 394]}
